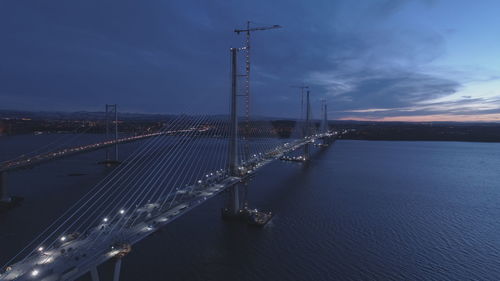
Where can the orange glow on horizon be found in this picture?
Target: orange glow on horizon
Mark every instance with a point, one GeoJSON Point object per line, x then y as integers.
{"type": "Point", "coordinates": [494, 117]}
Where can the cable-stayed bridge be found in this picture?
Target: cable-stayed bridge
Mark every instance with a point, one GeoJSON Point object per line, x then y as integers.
{"type": "Point", "coordinates": [167, 177]}
{"type": "Point", "coordinates": [194, 158]}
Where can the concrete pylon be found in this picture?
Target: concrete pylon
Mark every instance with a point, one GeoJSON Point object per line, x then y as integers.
{"type": "Point", "coordinates": [234, 206]}
{"type": "Point", "coordinates": [307, 130]}
{"type": "Point", "coordinates": [324, 124]}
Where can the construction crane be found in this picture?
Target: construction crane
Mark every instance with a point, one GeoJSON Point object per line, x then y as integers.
{"type": "Point", "coordinates": [248, 31]}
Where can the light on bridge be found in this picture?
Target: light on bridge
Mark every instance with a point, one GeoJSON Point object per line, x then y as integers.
{"type": "Point", "coordinates": [46, 260]}
{"type": "Point", "coordinates": [35, 272]}
{"type": "Point", "coordinates": [105, 219]}
{"type": "Point", "coordinates": [40, 249]}
{"type": "Point", "coordinates": [122, 211]}
{"type": "Point", "coordinates": [63, 238]}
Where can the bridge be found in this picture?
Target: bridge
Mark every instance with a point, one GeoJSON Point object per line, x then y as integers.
{"type": "Point", "coordinates": [31, 161]}
{"type": "Point", "coordinates": [173, 172]}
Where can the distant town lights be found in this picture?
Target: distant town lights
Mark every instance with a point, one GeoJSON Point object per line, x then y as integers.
{"type": "Point", "coordinates": [40, 249]}
{"type": "Point", "coordinates": [34, 272]}
{"type": "Point", "coordinates": [63, 238]}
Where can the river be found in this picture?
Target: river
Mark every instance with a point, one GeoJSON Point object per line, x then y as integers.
{"type": "Point", "coordinates": [359, 210]}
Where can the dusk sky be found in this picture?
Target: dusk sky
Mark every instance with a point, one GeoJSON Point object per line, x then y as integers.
{"type": "Point", "coordinates": [408, 60]}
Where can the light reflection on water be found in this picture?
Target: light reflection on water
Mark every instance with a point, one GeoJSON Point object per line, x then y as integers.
{"type": "Point", "coordinates": [358, 211]}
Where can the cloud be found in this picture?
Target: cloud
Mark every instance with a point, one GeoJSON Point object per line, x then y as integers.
{"type": "Point", "coordinates": [391, 88]}
{"type": "Point", "coordinates": [476, 108]}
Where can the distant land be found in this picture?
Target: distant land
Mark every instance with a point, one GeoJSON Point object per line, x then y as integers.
{"type": "Point", "coordinates": [14, 122]}
{"type": "Point", "coordinates": [434, 131]}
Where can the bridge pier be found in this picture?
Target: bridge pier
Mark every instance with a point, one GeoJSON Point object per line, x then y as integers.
{"type": "Point", "coordinates": [4, 193]}
{"type": "Point", "coordinates": [94, 274]}
{"type": "Point", "coordinates": [235, 200]}
{"type": "Point", "coordinates": [118, 266]}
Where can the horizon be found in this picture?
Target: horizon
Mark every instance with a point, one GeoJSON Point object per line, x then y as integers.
{"type": "Point", "coordinates": [367, 120]}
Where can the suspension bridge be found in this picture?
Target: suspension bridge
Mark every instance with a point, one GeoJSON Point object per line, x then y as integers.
{"type": "Point", "coordinates": [192, 159]}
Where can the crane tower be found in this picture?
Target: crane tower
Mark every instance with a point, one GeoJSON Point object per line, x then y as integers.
{"type": "Point", "coordinates": [248, 30]}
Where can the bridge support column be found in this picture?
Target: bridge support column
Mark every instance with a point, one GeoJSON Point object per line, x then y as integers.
{"type": "Point", "coordinates": [4, 193]}
{"type": "Point", "coordinates": [118, 266]}
{"type": "Point", "coordinates": [324, 124]}
{"type": "Point", "coordinates": [307, 131]}
{"type": "Point", "coordinates": [234, 202]}
{"type": "Point", "coordinates": [94, 274]}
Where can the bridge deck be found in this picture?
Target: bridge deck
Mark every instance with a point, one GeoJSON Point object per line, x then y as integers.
{"type": "Point", "coordinates": [76, 254]}
{"type": "Point", "coordinates": [40, 158]}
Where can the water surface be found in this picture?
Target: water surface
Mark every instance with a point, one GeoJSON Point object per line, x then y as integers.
{"type": "Point", "coordinates": [359, 210]}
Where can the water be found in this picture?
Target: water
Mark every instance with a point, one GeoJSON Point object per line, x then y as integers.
{"type": "Point", "coordinates": [359, 210]}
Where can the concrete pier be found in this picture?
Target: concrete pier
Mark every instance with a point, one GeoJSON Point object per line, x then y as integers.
{"type": "Point", "coordinates": [118, 266]}
{"type": "Point", "coordinates": [235, 203]}
{"type": "Point", "coordinates": [94, 274]}
{"type": "Point", "coordinates": [4, 192]}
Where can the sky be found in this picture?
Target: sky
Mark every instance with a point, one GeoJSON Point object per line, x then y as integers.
{"type": "Point", "coordinates": [384, 60]}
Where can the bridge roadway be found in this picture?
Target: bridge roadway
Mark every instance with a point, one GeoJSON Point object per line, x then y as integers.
{"type": "Point", "coordinates": [40, 158]}
{"type": "Point", "coordinates": [77, 254]}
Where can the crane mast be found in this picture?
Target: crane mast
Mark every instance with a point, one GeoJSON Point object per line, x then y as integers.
{"type": "Point", "coordinates": [248, 31]}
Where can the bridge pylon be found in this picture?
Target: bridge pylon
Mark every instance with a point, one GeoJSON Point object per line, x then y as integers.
{"type": "Point", "coordinates": [326, 140]}
{"type": "Point", "coordinates": [307, 130]}
{"type": "Point", "coordinates": [234, 204]}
